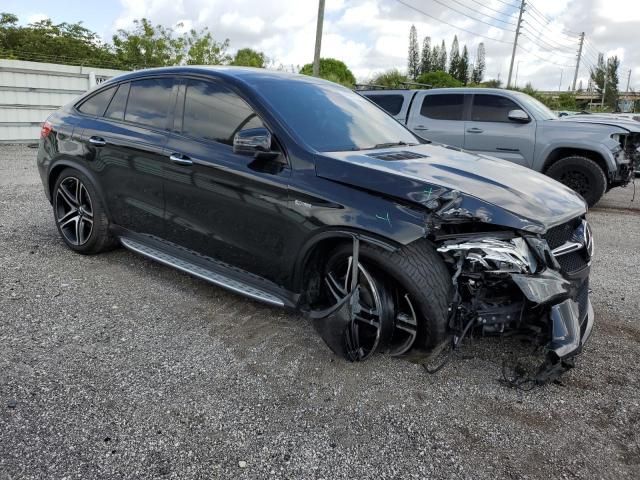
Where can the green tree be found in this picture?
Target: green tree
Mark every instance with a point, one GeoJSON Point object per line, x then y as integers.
{"type": "Point", "coordinates": [390, 78]}
{"type": "Point", "coordinates": [426, 62]}
{"type": "Point", "coordinates": [439, 79]}
{"type": "Point", "coordinates": [333, 70]}
{"type": "Point", "coordinates": [442, 58]}
{"type": "Point", "coordinates": [478, 69]}
{"type": "Point", "coordinates": [606, 73]}
{"type": "Point", "coordinates": [492, 83]}
{"type": "Point", "coordinates": [148, 45]}
{"type": "Point", "coordinates": [45, 41]}
{"type": "Point", "coordinates": [454, 57]}
{"type": "Point", "coordinates": [247, 57]}
{"type": "Point", "coordinates": [413, 63]}
{"type": "Point", "coordinates": [462, 72]}
{"type": "Point", "coordinates": [203, 49]}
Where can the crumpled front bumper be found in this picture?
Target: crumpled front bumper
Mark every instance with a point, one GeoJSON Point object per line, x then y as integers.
{"type": "Point", "coordinates": [570, 311]}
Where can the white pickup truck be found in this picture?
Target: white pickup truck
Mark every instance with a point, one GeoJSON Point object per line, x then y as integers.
{"type": "Point", "coordinates": [589, 155]}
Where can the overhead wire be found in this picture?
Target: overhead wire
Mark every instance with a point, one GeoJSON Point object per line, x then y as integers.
{"type": "Point", "coordinates": [471, 17]}
{"type": "Point", "coordinates": [451, 24]}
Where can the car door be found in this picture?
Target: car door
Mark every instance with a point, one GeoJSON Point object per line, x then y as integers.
{"type": "Point", "coordinates": [126, 148]}
{"type": "Point", "coordinates": [222, 204]}
{"type": "Point", "coordinates": [438, 117]}
{"type": "Point", "coordinates": [490, 131]}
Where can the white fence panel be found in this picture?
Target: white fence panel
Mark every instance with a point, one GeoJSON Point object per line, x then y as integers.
{"type": "Point", "coordinates": [30, 91]}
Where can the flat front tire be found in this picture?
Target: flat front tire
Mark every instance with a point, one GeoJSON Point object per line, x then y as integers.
{"type": "Point", "coordinates": [419, 284]}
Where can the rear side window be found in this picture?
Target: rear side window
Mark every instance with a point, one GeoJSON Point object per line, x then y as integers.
{"type": "Point", "coordinates": [118, 103]}
{"type": "Point", "coordinates": [492, 108]}
{"type": "Point", "coordinates": [149, 102]}
{"type": "Point", "coordinates": [391, 103]}
{"type": "Point", "coordinates": [443, 107]}
{"type": "Point", "coordinates": [213, 112]}
{"type": "Point", "coordinates": [96, 104]}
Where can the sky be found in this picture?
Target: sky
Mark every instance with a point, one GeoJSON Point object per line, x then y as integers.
{"type": "Point", "coordinates": [372, 35]}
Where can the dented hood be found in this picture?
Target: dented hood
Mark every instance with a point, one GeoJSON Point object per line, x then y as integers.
{"type": "Point", "coordinates": [491, 190]}
{"type": "Point", "coordinates": [627, 124]}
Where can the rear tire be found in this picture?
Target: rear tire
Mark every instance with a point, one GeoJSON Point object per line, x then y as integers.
{"type": "Point", "coordinates": [418, 270]}
{"type": "Point", "coordinates": [79, 214]}
{"type": "Point", "coordinates": [582, 175]}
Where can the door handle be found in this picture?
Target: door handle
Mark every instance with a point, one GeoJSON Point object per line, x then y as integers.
{"type": "Point", "coordinates": [474, 130]}
{"type": "Point", "coordinates": [180, 159]}
{"type": "Point", "coordinates": [97, 141]}
{"type": "Point", "coordinates": [420, 127]}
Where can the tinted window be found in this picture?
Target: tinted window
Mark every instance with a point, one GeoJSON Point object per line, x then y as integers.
{"type": "Point", "coordinates": [443, 107]}
{"type": "Point", "coordinates": [213, 112]}
{"type": "Point", "coordinates": [391, 103]}
{"type": "Point", "coordinates": [492, 108]}
{"type": "Point", "coordinates": [118, 103]}
{"type": "Point", "coordinates": [97, 103]}
{"type": "Point", "coordinates": [329, 117]}
{"type": "Point", "coordinates": [149, 102]}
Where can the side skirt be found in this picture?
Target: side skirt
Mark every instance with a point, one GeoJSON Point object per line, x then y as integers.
{"type": "Point", "coordinates": [209, 269]}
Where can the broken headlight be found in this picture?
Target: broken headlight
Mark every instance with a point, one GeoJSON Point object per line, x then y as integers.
{"type": "Point", "coordinates": [494, 255]}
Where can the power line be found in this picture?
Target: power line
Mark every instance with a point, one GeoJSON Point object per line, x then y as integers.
{"type": "Point", "coordinates": [508, 15]}
{"type": "Point", "coordinates": [546, 26]}
{"type": "Point", "coordinates": [547, 19]}
{"type": "Point", "coordinates": [481, 13]}
{"type": "Point", "coordinates": [507, 3]}
{"type": "Point", "coordinates": [451, 24]}
{"type": "Point", "coordinates": [469, 16]}
{"type": "Point", "coordinates": [542, 58]}
{"type": "Point", "coordinates": [554, 48]}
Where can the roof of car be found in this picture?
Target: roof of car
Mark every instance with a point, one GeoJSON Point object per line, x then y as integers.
{"type": "Point", "coordinates": [245, 74]}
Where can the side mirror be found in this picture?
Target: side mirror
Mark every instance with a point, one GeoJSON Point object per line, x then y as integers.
{"type": "Point", "coordinates": [519, 116]}
{"type": "Point", "coordinates": [252, 141]}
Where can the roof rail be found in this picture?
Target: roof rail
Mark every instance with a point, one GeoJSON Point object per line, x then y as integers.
{"type": "Point", "coordinates": [400, 86]}
{"type": "Point", "coordinates": [417, 84]}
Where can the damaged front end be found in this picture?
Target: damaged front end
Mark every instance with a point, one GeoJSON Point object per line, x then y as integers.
{"type": "Point", "coordinates": [508, 281]}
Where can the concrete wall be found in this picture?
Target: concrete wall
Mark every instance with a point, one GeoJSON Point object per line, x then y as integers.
{"type": "Point", "coordinates": [30, 91]}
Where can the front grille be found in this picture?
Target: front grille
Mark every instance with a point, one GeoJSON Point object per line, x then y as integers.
{"type": "Point", "coordinates": [561, 234]}
{"type": "Point", "coordinates": [572, 262]}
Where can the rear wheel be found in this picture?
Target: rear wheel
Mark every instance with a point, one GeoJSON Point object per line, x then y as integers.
{"type": "Point", "coordinates": [404, 296]}
{"type": "Point", "coordinates": [80, 215]}
{"type": "Point", "coordinates": [582, 175]}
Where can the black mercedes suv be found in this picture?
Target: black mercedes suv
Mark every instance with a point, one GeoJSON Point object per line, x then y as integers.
{"type": "Point", "coordinates": [301, 193]}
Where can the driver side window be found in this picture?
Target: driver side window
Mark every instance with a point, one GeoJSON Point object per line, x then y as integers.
{"type": "Point", "coordinates": [492, 108]}
{"type": "Point", "coordinates": [213, 112]}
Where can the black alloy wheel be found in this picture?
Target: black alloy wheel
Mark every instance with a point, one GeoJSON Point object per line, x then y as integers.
{"type": "Point", "coordinates": [386, 320]}
{"type": "Point", "coordinates": [74, 211]}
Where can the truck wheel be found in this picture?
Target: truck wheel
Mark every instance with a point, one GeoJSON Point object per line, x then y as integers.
{"type": "Point", "coordinates": [79, 215]}
{"type": "Point", "coordinates": [582, 175]}
{"type": "Point", "coordinates": [410, 287]}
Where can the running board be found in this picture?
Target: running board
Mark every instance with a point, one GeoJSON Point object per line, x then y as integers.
{"type": "Point", "coordinates": [200, 271]}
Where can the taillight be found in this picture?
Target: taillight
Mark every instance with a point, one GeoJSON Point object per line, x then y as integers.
{"type": "Point", "coordinates": [45, 130]}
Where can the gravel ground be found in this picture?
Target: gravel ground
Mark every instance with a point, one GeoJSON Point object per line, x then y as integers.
{"type": "Point", "coordinates": [113, 366]}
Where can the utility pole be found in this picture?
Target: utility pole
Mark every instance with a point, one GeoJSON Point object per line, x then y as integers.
{"type": "Point", "coordinates": [316, 55]}
{"type": "Point", "coordinates": [628, 81]}
{"type": "Point", "coordinates": [606, 80]}
{"type": "Point", "coordinates": [575, 75]}
{"type": "Point", "coordinates": [517, 70]}
{"type": "Point", "coordinates": [560, 84]}
{"type": "Point", "coordinates": [515, 41]}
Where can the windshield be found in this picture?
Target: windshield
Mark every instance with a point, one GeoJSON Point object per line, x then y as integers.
{"type": "Point", "coordinates": [333, 118]}
{"type": "Point", "coordinates": [536, 107]}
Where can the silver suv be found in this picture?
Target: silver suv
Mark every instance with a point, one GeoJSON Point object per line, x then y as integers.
{"type": "Point", "coordinates": [590, 156]}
